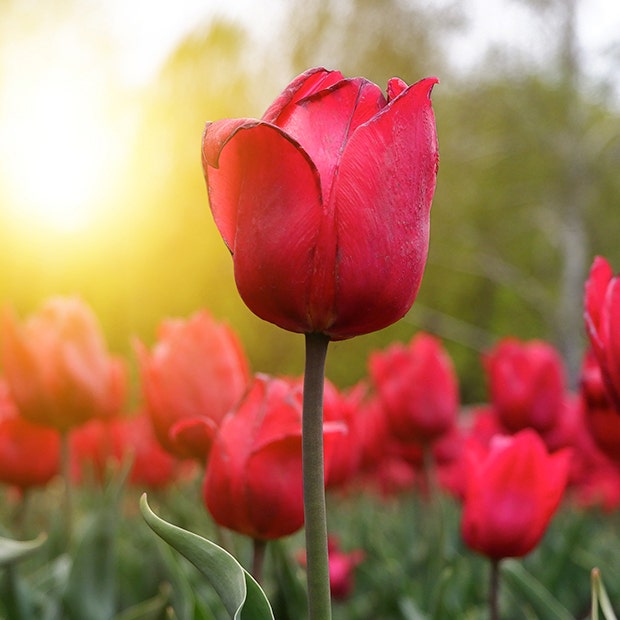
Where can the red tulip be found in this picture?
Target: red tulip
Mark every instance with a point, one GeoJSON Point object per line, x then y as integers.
{"type": "Point", "coordinates": [100, 444]}
{"type": "Point", "coordinates": [512, 491]}
{"type": "Point", "coordinates": [57, 366]}
{"type": "Point", "coordinates": [324, 203]}
{"type": "Point", "coordinates": [602, 319]}
{"type": "Point", "coordinates": [342, 566]}
{"type": "Point", "coordinates": [526, 384]}
{"type": "Point", "coordinates": [29, 453]}
{"type": "Point", "coordinates": [253, 482]}
{"type": "Point", "coordinates": [602, 419]}
{"type": "Point", "coordinates": [196, 372]}
{"type": "Point", "coordinates": [418, 387]}
{"type": "Point", "coordinates": [344, 406]}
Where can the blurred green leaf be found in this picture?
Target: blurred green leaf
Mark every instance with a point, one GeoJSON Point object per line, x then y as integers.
{"type": "Point", "coordinates": [151, 609]}
{"type": "Point", "coordinates": [91, 590]}
{"type": "Point", "coordinates": [599, 597]}
{"type": "Point", "coordinates": [290, 600]}
{"type": "Point", "coordinates": [545, 604]}
{"type": "Point", "coordinates": [12, 551]}
{"type": "Point", "coordinates": [242, 596]}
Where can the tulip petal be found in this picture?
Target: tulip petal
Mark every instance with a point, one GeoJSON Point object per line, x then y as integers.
{"type": "Point", "coordinates": [382, 201]}
{"type": "Point", "coordinates": [265, 198]}
{"type": "Point", "coordinates": [611, 335]}
{"type": "Point", "coordinates": [311, 81]}
{"type": "Point", "coordinates": [595, 289]}
{"type": "Point", "coordinates": [323, 121]}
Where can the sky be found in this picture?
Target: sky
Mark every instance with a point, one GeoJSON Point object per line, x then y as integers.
{"type": "Point", "coordinates": [145, 42]}
{"type": "Point", "coordinates": [57, 81]}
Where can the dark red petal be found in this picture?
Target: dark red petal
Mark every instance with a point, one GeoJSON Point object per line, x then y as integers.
{"type": "Point", "coordinates": [323, 121]}
{"type": "Point", "coordinates": [611, 338]}
{"type": "Point", "coordinates": [595, 290]}
{"type": "Point", "coordinates": [303, 85]}
{"type": "Point", "coordinates": [382, 200]}
{"type": "Point", "coordinates": [265, 199]}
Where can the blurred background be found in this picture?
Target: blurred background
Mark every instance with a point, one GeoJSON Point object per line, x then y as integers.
{"type": "Point", "coordinates": [102, 107]}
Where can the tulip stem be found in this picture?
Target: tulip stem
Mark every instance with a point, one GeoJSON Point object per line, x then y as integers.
{"type": "Point", "coordinates": [494, 591]}
{"type": "Point", "coordinates": [319, 597]}
{"type": "Point", "coordinates": [258, 558]}
{"type": "Point", "coordinates": [65, 465]}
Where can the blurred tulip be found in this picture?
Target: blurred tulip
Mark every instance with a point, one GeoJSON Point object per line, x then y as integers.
{"type": "Point", "coordinates": [601, 417]}
{"type": "Point", "coordinates": [418, 387]}
{"type": "Point", "coordinates": [344, 406]}
{"type": "Point", "coordinates": [253, 482]}
{"type": "Point", "coordinates": [602, 319]}
{"type": "Point", "coordinates": [325, 202]}
{"type": "Point", "coordinates": [29, 453]}
{"type": "Point", "coordinates": [512, 491]}
{"type": "Point", "coordinates": [99, 445]}
{"type": "Point", "coordinates": [526, 384]}
{"type": "Point", "coordinates": [57, 366]}
{"type": "Point", "coordinates": [342, 565]}
{"type": "Point", "coordinates": [196, 372]}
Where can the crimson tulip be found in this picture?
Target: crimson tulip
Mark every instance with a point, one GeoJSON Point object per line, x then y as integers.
{"type": "Point", "coordinates": [99, 444]}
{"type": "Point", "coordinates": [512, 491]}
{"type": "Point", "coordinates": [344, 406]}
{"type": "Point", "coordinates": [57, 366]}
{"type": "Point", "coordinates": [602, 319]}
{"type": "Point", "coordinates": [342, 566]}
{"type": "Point", "coordinates": [526, 384]}
{"type": "Point", "coordinates": [325, 201]}
{"type": "Point", "coordinates": [196, 372]}
{"type": "Point", "coordinates": [253, 481]}
{"type": "Point", "coordinates": [29, 453]}
{"type": "Point", "coordinates": [418, 387]}
{"type": "Point", "coordinates": [602, 419]}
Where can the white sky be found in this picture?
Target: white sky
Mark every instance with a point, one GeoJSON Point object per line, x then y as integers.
{"type": "Point", "coordinates": [147, 30]}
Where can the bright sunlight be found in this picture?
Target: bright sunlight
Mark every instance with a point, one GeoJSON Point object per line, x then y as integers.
{"type": "Point", "coordinates": [58, 149]}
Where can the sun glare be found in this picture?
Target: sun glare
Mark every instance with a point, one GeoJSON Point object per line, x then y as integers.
{"type": "Point", "coordinates": [58, 145]}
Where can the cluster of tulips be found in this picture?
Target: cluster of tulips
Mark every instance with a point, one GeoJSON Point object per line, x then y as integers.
{"type": "Point", "coordinates": [511, 461]}
{"type": "Point", "coordinates": [324, 204]}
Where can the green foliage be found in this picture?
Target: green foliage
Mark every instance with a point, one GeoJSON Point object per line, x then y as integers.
{"type": "Point", "coordinates": [241, 595]}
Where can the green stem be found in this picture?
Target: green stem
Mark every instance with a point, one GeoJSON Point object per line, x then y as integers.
{"type": "Point", "coordinates": [65, 458]}
{"type": "Point", "coordinates": [494, 591]}
{"type": "Point", "coordinates": [319, 597]}
{"type": "Point", "coordinates": [258, 559]}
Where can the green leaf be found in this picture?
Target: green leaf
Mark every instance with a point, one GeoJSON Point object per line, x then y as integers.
{"type": "Point", "coordinates": [599, 596]}
{"type": "Point", "coordinates": [545, 604]}
{"type": "Point", "coordinates": [91, 589]}
{"type": "Point", "coordinates": [12, 551]}
{"type": "Point", "coordinates": [243, 598]}
{"type": "Point", "coordinates": [151, 609]}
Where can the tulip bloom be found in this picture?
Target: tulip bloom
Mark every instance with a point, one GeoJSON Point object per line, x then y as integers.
{"type": "Point", "coordinates": [526, 384]}
{"type": "Point", "coordinates": [57, 366]}
{"type": "Point", "coordinates": [342, 565]}
{"type": "Point", "coordinates": [325, 201]}
{"type": "Point", "coordinates": [253, 482]}
{"type": "Point", "coordinates": [418, 387]}
{"type": "Point", "coordinates": [602, 319]}
{"type": "Point", "coordinates": [194, 375]}
{"type": "Point", "coordinates": [512, 492]}
{"type": "Point", "coordinates": [100, 444]}
{"type": "Point", "coordinates": [29, 453]}
{"type": "Point", "coordinates": [602, 419]}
